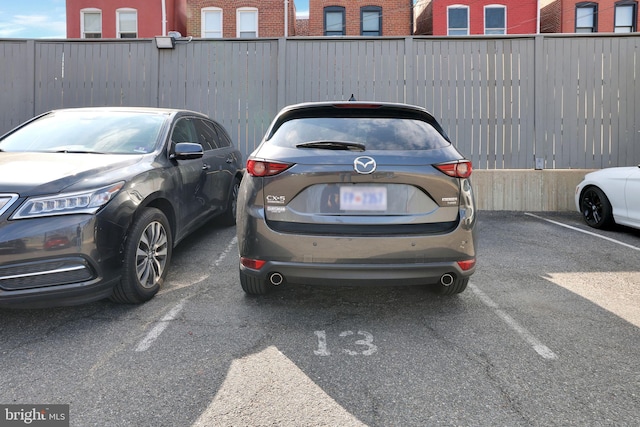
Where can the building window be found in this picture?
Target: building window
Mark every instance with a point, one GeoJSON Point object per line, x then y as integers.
{"type": "Point", "coordinates": [247, 22]}
{"type": "Point", "coordinates": [371, 21]}
{"type": "Point", "coordinates": [91, 20]}
{"type": "Point", "coordinates": [211, 23]}
{"type": "Point", "coordinates": [334, 21]}
{"type": "Point", "coordinates": [586, 18]}
{"type": "Point", "coordinates": [625, 17]}
{"type": "Point", "coordinates": [458, 20]}
{"type": "Point", "coordinates": [495, 19]}
{"type": "Point", "coordinates": [127, 23]}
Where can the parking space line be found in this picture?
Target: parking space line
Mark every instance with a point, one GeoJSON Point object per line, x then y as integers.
{"type": "Point", "coordinates": [584, 231]}
{"type": "Point", "coordinates": [226, 252]}
{"type": "Point", "coordinates": [160, 327]}
{"type": "Point", "coordinates": [539, 348]}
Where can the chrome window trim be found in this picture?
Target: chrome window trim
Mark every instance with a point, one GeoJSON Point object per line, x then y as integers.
{"type": "Point", "coordinates": [12, 199]}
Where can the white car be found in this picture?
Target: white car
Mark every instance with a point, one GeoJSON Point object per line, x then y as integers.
{"type": "Point", "coordinates": [610, 196]}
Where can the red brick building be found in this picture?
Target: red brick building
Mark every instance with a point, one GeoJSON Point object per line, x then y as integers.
{"type": "Point", "coordinates": [360, 18]}
{"type": "Point", "coordinates": [476, 17]}
{"type": "Point", "coordinates": [598, 16]}
{"type": "Point", "coordinates": [240, 18]}
{"type": "Point", "coordinates": [124, 18]}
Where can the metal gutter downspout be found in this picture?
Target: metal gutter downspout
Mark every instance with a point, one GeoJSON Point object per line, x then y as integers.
{"type": "Point", "coordinates": [164, 17]}
{"type": "Point", "coordinates": [286, 18]}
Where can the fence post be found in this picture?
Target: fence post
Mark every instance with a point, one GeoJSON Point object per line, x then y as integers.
{"type": "Point", "coordinates": [281, 75]}
{"type": "Point", "coordinates": [30, 73]}
{"type": "Point", "coordinates": [539, 105]}
{"type": "Point", "coordinates": [410, 62]}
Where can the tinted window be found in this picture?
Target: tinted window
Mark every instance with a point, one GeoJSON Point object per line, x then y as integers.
{"type": "Point", "coordinates": [374, 133]}
{"type": "Point", "coordinates": [224, 140]}
{"type": "Point", "coordinates": [207, 135]}
{"type": "Point", "coordinates": [184, 131]}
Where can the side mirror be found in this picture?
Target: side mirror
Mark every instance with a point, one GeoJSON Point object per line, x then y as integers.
{"type": "Point", "coordinates": [186, 151]}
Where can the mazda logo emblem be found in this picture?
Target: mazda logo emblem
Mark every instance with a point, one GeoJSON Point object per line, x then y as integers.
{"type": "Point", "coordinates": [364, 165]}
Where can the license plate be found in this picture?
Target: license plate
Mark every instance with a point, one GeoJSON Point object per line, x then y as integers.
{"type": "Point", "coordinates": [361, 198]}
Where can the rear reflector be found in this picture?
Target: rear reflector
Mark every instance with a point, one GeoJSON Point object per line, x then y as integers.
{"type": "Point", "coordinates": [254, 264]}
{"type": "Point", "coordinates": [461, 169]}
{"type": "Point", "coordinates": [263, 168]}
{"type": "Point", "coordinates": [467, 265]}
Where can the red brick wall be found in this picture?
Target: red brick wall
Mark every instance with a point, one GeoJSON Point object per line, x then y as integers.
{"type": "Point", "coordinates": [522, 15]}
{"type": "Point", "coordinates": [149, 16]}
{"type": "Point", "coordinates": [396, 16]}
{"type": "Point", "coordinates": [270, 16]}
{"type": "Point", "coordinates": [551, 17]}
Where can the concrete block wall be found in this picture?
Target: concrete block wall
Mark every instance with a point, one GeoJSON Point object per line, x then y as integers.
{"type": "Point", "coordinates": [527, 190]}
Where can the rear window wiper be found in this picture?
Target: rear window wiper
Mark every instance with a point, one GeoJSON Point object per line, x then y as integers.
{"type": "Point", "coordinates": [333, 145]}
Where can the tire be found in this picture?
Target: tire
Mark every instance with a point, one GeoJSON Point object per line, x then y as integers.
{"type": "Point", "coordinates": [229, 216]}
{"type": "Point", "coordinates": [253, 285]}
{"type": "Point", "coordinates": [147, 254]}
{"type": "Point", "coordinates": [458, 286]}
{"type": "Point", "coordinates": [596, 208]}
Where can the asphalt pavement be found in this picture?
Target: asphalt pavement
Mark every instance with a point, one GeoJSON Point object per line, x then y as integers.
{"type": "Point", "coordinates": [547, 334]}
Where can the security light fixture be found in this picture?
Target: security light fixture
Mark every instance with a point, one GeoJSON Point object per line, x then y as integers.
{"type": "Point", "coordinates": [165, 42]}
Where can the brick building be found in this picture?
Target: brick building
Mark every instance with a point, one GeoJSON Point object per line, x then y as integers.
{"type": "Point", "coordinates": [124, 18]}
{"type": "Point", "coordinates": [598, 16]}
{"type": "Point", "coordinates": [360, 18]}
{"type": "Point", "coordinates": [476, 17]}
{"type": "Point", "coordinates": [240, 18]}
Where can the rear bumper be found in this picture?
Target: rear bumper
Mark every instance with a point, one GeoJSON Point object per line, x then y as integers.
{"type": "Point", "coordinates": [358, 274]}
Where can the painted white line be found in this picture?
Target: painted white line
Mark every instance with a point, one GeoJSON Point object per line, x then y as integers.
{"type": "Point", "coordinates": [160, 327]}
{"type": "Point", "coordinates": [224, 254]}
{"type": "Point", "coordinates": [539, 348]}
{"type": "Point", "coordinates": [584, 231]}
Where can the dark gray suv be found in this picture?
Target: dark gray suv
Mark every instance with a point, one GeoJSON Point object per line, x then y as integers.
{"type": "Point", "coordinates": [356, 193]}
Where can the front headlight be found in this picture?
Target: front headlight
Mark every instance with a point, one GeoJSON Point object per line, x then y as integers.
{"type": "Point", "coordinates": [86, 202]}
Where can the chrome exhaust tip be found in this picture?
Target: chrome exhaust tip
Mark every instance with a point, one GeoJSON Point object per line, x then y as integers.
{"type": "Point", "coordinates": [276, 279]}
{"type": "Point", "coordinates": [447, 279]}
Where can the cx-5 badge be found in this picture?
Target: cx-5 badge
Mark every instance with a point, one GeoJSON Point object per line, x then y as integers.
{"type": "Point", "coordinates": [364, 165]}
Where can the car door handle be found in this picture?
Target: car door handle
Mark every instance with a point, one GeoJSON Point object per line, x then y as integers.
{"type": "Point", "coordinates": [206, 167]}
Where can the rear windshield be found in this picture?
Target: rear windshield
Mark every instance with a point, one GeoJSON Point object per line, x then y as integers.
{"type": "Point", "coordinates": [375, 133]}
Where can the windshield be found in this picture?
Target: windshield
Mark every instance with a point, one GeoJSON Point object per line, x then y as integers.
{"type": "Point", "coordinates": [111, 132]}
{"type": "Point", "coordinates": [373, 133]}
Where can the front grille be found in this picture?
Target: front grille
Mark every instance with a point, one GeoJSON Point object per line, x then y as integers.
{"type": "Point", "coordinates": [56, 272]}
{"type": "Point", "coordinates": [362, 230]}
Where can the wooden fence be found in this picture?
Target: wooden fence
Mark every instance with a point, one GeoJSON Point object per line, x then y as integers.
{"type": "Point", "coordinates": [552, 101]}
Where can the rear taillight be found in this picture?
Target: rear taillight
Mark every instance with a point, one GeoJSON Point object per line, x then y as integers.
{"type": "Point", "coordinates": [461, 169]}
{"type": "Point", "coordinates": [467, 265]}
{"type": "Point", "coordinates": [264, 168]}
{"type": "Point", "coordinates": [254, 264]}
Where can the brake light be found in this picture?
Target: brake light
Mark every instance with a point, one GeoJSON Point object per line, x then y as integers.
{"type": "Point", "coordinates": [254, 264]}
{"type": "Point", "coordinates": [263, 168]}
{"type": "Point", "coordinates": [352, 105]}
{"type": "Point", "coordinates": [461, 169]}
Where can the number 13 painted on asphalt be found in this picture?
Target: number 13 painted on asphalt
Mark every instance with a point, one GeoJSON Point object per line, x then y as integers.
{"type": "Point", "coordinates": [367, 342]}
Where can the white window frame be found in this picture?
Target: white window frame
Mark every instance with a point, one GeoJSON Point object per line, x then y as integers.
{"type": "Point", "coordinates": [84, 12]}
{"type": "Point", "coordinates": [458, 6]}
{"type": "Point", "coordinates": [239, 12]}
{"type": "Point", "coordinates": [493, 30]}
{"type": "Point", "coordinates": [119, 12]}
{"type": "Point", "coordinates": [210, 34]}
